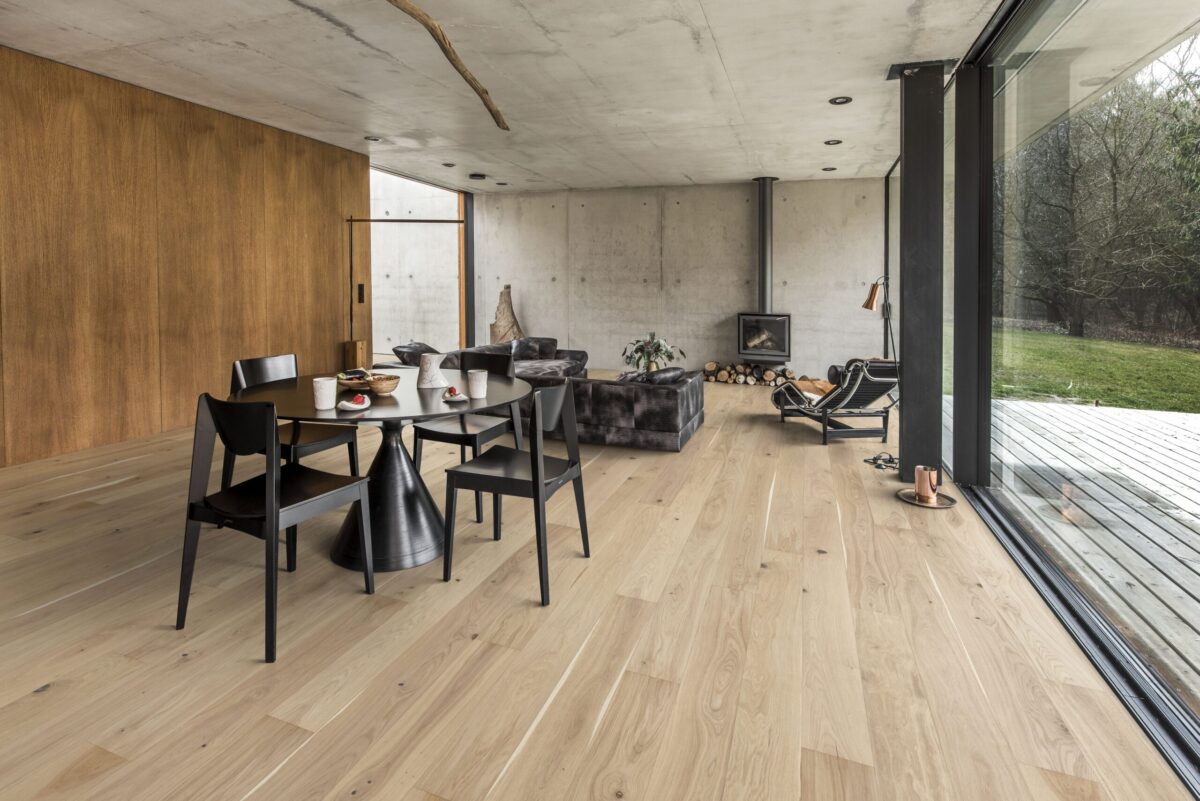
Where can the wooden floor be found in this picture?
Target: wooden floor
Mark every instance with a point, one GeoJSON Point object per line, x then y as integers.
{"type": "Point", "coordinates": [760, 619]}
{"type": "Point", "coordinates": [1114, 496]}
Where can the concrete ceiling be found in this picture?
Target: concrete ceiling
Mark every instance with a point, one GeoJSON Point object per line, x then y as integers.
{"type": "Point", "coordinates": [598, 93]}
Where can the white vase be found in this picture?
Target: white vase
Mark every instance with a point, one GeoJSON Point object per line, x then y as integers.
{"type": "Point", "coordinates": [429, 375]}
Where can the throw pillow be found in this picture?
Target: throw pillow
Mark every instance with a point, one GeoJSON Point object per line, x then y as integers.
{"type": "Point", "coordinates": [526, 350]}
{"type": "Point", "coordinates": [410, 354]}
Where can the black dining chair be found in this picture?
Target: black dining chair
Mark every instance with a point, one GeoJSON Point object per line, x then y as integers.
{"type": "Point", "coordinates": [281, 497]}
{"type": "Point", "coordinates": [472, 430]}
{"type": "Point", "coordinates": [296, 440]}
{"type": "Point", "coordinates": [509, 471]}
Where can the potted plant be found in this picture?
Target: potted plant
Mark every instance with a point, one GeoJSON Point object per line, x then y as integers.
{"type": "Point", "coordinates": [650, 353]}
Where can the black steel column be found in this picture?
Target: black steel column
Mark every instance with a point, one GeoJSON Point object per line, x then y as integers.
{"type": "Point", "coordinates": [921, 143]}
{"type": "Point", "coordinates": [972, 274]}
{"type": "Point", "coordinates": [469, 265]}
{"type": "Point", "coordinates": [766, 193]}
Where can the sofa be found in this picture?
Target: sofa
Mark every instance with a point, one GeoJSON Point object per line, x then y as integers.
{"type": "Point", "coordinates": [537, 360]}
{"type": "Point", "coordinates": [652, 414]}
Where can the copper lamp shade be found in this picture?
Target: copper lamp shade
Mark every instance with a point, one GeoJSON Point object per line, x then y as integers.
{"type": "Point", "coordinates": [872, 301]}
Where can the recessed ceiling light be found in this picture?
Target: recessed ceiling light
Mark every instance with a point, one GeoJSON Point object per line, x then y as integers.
{"type": "Point", "coordinates": [1097, 81]}
{"type": "Point", "coordinates": [828, 169]}
{"type": "Point", "coordinates": [372, 138]}
{"type": "Point", "coordinates": [833, 141]}
{"type": "Point", "coordinates": [447, 163]}
{"type": "Point", "coordinates": [477, 176]}
{"type": "Point", "coordinates": [840, 100]}
{"type": "Point", "coordinates": [501, 183]}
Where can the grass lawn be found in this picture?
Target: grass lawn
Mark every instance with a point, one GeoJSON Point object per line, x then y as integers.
{"type": "Point", "coordinates": [1034, 365]}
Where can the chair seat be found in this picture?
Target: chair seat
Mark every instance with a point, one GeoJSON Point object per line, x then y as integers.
{"type": "Point", "coordinates": [464, 428]}
{"type": "Point", "coordinates": [312, 434]}
{"type": "Point", "coordinates": [297, 484]}
{"type": "Point", "coordinates": [510, 467]}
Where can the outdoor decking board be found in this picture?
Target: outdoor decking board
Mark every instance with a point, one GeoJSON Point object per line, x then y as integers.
{"type": "Point", "coordinates": [1117, 500]}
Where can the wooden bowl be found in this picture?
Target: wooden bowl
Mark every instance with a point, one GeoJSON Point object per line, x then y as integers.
{"type": "Point", "coordinates": [356, 384]}
{"type": "Point", "coordinates": [382, 383]}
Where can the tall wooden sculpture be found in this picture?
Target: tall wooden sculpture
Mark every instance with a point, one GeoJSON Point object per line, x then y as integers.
{"type": "Point", "coordinates": [506, 326]}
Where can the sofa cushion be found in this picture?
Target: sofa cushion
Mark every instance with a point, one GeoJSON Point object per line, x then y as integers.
{"type": "Point", "coordinates": [667, 375]}
{"type": "Point", "coordinates": [410, 354]}
{"type": "Point", "coordinates": [547, 367]}
{"type": "Point", "coordinates": [530, 348]}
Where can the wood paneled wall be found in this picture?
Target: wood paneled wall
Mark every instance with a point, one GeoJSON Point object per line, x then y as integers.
{"type": "Point", "coordinates": [147, 242]}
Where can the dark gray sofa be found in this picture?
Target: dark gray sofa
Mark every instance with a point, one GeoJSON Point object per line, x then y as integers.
{"type": "Point", "coordinates": [661, 417]}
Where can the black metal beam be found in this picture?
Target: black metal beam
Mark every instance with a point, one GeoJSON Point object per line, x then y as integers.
{"type": "Point", "coordinates": [921, 171]}
{"type": "Point", "coordinates": [972, 284]}
{"type": "Point", "coordinates": [766, 193]}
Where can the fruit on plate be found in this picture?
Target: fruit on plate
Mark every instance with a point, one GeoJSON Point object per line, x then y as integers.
{"type": "Point", "coordinates": [358, 400]}
{"type": "Point", "coordinates": [452, 391]}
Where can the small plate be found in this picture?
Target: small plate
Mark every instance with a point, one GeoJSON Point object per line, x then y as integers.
{"type": "Point", "coordinates": [347, 406]}
{"type": "Point", "coordinates": [944, 501]}
{"type": "Point", "coordinates": [459, 398]}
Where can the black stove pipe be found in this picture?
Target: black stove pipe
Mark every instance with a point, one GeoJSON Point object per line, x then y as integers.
{"type": "Point", "coordinates": [766, 191]}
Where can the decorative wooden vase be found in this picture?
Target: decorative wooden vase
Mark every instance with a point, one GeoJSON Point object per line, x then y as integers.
{"type": "Point", "coordinates": [429, 375]}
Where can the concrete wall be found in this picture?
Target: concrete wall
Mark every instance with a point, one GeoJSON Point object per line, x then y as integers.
{"type": "Point", "coordinates": [597, 268]}
{"type": "Point", "coordinates": [414, 267]}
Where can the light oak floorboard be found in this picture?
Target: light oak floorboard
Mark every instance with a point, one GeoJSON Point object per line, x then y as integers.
{"type": "Point", "coordinates": [760, 620]}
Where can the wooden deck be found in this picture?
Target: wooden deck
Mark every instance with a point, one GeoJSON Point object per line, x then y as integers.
{"type": "Point", "coordinates": [1114, 494]}
{"type": "Point", "coordinates": [761, 620]}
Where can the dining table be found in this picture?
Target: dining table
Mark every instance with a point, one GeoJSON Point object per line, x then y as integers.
{"type": "Point", "coordinates": [406, 524]}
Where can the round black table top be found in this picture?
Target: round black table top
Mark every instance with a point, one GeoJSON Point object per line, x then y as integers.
{"type": "Point", "coordinates": [293, 399]}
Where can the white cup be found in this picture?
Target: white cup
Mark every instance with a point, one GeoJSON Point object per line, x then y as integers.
{"type": "Point", "coordinates": [324, 393]}
{"type": "Point", "coordinates": [477, 384]}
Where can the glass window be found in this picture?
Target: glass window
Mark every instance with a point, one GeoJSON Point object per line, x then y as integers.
{"type": "Point", "coordinates": [1096, 309]}
{"type": "Point", "coordinates": [948, 280]}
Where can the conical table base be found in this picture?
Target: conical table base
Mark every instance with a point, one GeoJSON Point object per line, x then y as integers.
{"type": "Point", "coordinates": [406, 526]}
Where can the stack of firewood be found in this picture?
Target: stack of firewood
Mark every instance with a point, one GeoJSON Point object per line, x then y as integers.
{"type": "Point", "coordinates": [747, 373]}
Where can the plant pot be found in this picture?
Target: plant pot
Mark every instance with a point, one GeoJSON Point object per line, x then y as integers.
{"type": "Point", "coordinates": [651, 367]}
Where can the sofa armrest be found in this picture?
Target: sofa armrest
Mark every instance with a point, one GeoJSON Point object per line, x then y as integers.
{"type": "Point", "coordinates": [566, 354]}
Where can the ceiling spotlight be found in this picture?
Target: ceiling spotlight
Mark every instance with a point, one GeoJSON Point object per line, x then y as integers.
{"type": "Point", "coordinates": [840, 100]}
{"type": "Point", "coordinates": [477, 176]}
{"type": "Point", "coordinates": [447, 163]}
{"type": "Point", "coordinates": [501, 183]}
{"type": "Point", "coordinates": [833, 141]}
{"type": "Point", "coordinates": [828, 169]}
{"type": "Point", "coordinates": [1097, 81]}
{"type": "Point", "coordinates": [372, 138]}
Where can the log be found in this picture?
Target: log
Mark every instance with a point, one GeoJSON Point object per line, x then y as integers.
{"type": "Point", "coordinates": [740, 368]}
{"type": "Point", "coordinates": [722, 375]}
{"type": "Point", "coordinates": [751, 380]}
{"type": "Point", "coordinates": [506, 326]}
{"type": "Point", "coordinates": [789, 373]}
{"type": "Point", "coordinates": [769, 375]}
{"type": "Point", "coordinates": [709, 378]}
{"type": "Point", "coordinates": [741, 378]}
{"type": "Point", "coordinates": [710, 367]}
{"type": "Point", "coordinates": [756, 371]}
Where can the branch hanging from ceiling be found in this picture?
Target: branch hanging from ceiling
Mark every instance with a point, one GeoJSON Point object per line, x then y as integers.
{"type": "Point", "coordinates": [443, 41]}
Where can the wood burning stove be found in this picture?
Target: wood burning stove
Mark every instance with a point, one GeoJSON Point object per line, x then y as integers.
{"type": "Point", "coordinates": [764, 338]}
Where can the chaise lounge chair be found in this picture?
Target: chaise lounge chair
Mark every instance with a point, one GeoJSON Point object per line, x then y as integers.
{"type": "Point", "coordinates": [858, 385]}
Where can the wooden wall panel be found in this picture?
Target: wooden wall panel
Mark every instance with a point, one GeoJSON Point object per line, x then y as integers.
{"type": "Point", "coordinates": [146, 243]}
{"type": "Point", "coordinates": [78, 259]}
{"type": "Point", "coordinates": [306, 260]}
{"type": "Point", "coordinates": [213, 284]}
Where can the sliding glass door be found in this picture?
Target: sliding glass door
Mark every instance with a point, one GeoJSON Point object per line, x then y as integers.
{"type": "Point", "coordinates": [1095, 277]}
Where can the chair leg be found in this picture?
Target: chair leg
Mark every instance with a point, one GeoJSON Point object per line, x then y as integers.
{"type": "Point", "coordinates": [291, 549]}
{"type": "Point", "coordinates": [417, 441]}
{"type": "Point", "coordinates": [582, 511]}
{"type": "Point", "coordinates": [478, 494]}
{"type": "Point", "coordinates": [462, 454]}
{"type": "Point", "coordinates": [496, 500]}
{"type": "Point", "coordinates": [227, 469]}
{"type": "Point", "coordinates": [539, 519]}
{"type": "Point", "coordinates": [352, 447]}
{"type": "Point", "coordinates": [825, 430]}
{"type": "Point", "coordinates": [448, 532]}
{"type": "Point", "coordinates": [885, 427]}
{"type": "Point", "coordinates": [364, 542]}
{"type": "Point", "coordinates": [271, 535]}
{"type": "Point", "coordinates": [191, 543]}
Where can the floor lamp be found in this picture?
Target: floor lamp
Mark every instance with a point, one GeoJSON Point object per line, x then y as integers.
{"type": "Point", "coordinates": [877, 292]}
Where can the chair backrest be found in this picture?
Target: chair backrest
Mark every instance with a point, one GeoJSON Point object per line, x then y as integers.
{"type": "Point", "coordinates": [494, 363]}
{"type": "Point", "coordinates": [863, 383]}
{"type": "Point", "coordinates": [262, 370]}
{"type": "Point", "coordinates": [551, 406]}
{"type": "Point", "coordinates": [243, 428]}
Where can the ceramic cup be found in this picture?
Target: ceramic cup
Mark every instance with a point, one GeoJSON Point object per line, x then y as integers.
{"type": "Point", "coordinates": [324, 393]}
{"type": "Point", "coordinates": [926, 485]}
{"type": "Point", "coordinates": [477, 384]}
